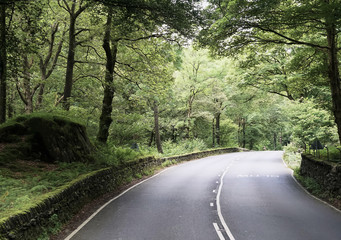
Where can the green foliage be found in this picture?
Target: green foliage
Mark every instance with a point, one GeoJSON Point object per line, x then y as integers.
{"type": "Point", "coordinates": [53, 228]}
{"type": "Point", "coordinates": [292, 156]}
{"type": "Point", "coordinates": [112, 155]}
{"type": "Point", "coordinates": [168, 163]}
{"type": "Point", "coordinates": [194, 145]}
{"type": "Point", "coordinates": [309, 122]}
{"type": "Point", "coordinates": [332, 154]}
{"type": "Point", "coordinates": [192, 89]}
{"type": "Point", "coordinates": [24, 182]}
{"type": "Point", "coordinates": [312, 185]}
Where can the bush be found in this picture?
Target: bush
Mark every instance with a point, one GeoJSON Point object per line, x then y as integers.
{"type": "Point", "coordinates": [111, 155]}
{"type": "Point", "coordinates": [292, 155]}
{"type": "Point", "coordinates": [187, 146]}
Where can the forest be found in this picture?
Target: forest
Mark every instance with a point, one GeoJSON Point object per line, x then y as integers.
{"type": "Point", "coordinates": [170, 75]}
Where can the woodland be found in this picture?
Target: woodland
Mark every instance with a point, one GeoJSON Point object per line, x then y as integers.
{"type": "Point", "coordinates": [172, 74]}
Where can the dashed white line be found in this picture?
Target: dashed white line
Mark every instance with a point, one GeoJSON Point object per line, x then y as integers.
{"type": "Point", "coordinates": [212, 204]}
{"type": "Point", "coordinates": [220, 235]}
{"type": "Point", "coordinates": [221, 218]}
{"type": "Point", "coordinates": [214, 190]}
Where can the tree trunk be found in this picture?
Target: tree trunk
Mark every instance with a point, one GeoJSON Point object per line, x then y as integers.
{"type": "Point", "coordinates": [70, 61]}
{"type": "Point", "coordinates": [3, 63]}
{"type": "Point", "coordinates": [27, 85]}
{"type": "Point", "coordinates": [334, 76]}
{"type": "Point", "coordinates": [238, 134]}
{"type": "Point", "coordinates": [111, 53]}
{"type": "Point", "coordinates": [243, 130]}
{"type": "Point", "coordinates": [275, 141]}
{"type": "Point", "coordinates": [189, 115]}
{"type": "Point", "coordinates": [217, 127]}
{"type": "Point", "coordinates": [157, 130]}
{"type": "Point", "coordinates": [152, 136]}
{"type": "Point", "coordinates": [213, 133]}
{"type": "Point", "coordinates": [43, 63]}
{"type": "Point", "coordinates": [10, 103]}
{"type": "Point", "coordinates": [173, 134]}
{"type": "Point", "coordinates": [40, 96]}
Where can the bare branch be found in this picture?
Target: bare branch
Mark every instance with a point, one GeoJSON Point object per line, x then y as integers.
{"type": "Point", "coordinates": [67, 8]}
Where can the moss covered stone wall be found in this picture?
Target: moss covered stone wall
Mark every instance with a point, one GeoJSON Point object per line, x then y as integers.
{"type": "Point", "coordinates": [327, 174]}
{"type": "Point", "coordinates": [60, 205]}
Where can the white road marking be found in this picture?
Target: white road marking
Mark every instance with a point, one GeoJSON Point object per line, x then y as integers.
{"type": "Point", "coordinates": [211, 204]}
{"type": "Point", "coordinates": [101, 208]}
{"type": "Point", "coordinates": [221, 218]}
{"type": "Point", "coordinates": [217, 182]}
{"type": "Point", "coordinates": [256, 176]}
{"type": "Point", "coordinates": [220, 235]}
{"type": "Point", "coordinates": [214, 190]}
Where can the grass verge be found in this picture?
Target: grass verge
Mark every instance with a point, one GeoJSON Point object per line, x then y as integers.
{"type": "Point", "coordinates": [293, 159]}
{"type": "Point", "coordinates": [314, 188]}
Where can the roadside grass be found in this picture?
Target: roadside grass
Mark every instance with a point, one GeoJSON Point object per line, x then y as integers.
{"type": "Point", "coordinates": [23, 182]}
{"type": "Point", "coordinates": [314, 188]}
{"type": "Point", "coordinates": [292, 157]}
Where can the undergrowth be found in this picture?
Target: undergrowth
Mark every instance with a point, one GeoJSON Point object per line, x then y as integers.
{"type": "Point", "coordinates": [23, 182]}
{"type": "Point", "coordinates": [292, 156]}
{"type": "Point", "coordinates": [312, 186]}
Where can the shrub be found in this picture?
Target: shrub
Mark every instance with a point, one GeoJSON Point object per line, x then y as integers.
{"type": "Point", "coordinates": [292, 155]}
{"type": "Point", "coordinates": [193, 145]}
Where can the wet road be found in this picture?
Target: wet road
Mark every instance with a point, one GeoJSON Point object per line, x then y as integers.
{"type": "Point", "coordinates": [242, 196]}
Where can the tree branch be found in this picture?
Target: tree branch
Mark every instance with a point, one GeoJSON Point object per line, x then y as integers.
{"type": "Point", "coordinates": [291, 40]}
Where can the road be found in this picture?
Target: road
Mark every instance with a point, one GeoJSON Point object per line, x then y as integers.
{"type": "Point", "coordinates": [241, 196]}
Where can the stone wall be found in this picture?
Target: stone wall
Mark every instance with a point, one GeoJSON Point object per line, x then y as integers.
{"type": "Point", "coordinates": [327, 174]}
{"type": "Point", "coordinates": [67, 200]}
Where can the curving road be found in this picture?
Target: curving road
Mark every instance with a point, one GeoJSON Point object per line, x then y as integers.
{"type": "Point", "coordinates": [241, 196]}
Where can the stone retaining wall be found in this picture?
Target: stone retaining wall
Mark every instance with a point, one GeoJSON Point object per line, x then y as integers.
{"type": "Point", "coordinates": [63, 203]}
{"type": "Point", "coordinates": [327, 174]}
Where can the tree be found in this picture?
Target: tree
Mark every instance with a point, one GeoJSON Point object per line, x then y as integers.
{"type": "Point", "coordinates": [136, 18]}
{"type": "Point", "coordinates": [309, 122]}
{"type": "Point", "coordinates": [235, 24]}
{"type": "Point", "coordinates": [193, 78]}
{"type": "Point", "coordinates": [288, 71]}
{"type": "Point", "coordinates": [181, 15]}
{"type": "Point", "coordinates": [110, 48]}
{"type": "Point", "coordinates": [3, 63]}
{"type": "Point", "coordinates": [34, 52]}
{"type": "Point", "coordinates": [74, 9]}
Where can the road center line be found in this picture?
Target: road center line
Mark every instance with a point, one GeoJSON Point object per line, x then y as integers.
{"type": "Point", "coordinates": [220, 215]}
{"type": "Point", "coordinates": [220, 235]}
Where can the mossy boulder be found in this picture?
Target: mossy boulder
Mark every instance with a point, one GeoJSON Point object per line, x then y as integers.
{"type": "Point", "coordinates": [48, 138]}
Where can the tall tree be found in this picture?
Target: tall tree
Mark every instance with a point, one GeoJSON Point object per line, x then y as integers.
{"type": "Point", "coordinates": [48, 63]}
{"type": "Point", "coordinates": [235, 24]}
{"type": "Point", "coordinates": [3, 63]}
{"type": "Point", "coordinates": [157, 127]}
{"type": "Point", "coordinates": [74, 9]}
{"type": "Point", "coordinates": [110, 48]}
{"type": "Point", "coordinates": [138, 24]}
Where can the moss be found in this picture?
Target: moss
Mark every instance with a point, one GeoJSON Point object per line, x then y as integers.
{"type": "Point", "coordinates": [48, 137]}
{"type": "Point", "coordinates": [70, 197]}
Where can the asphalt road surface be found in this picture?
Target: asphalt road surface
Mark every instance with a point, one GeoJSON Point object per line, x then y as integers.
{"type": "Point", "coordinates": [237, 196]}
